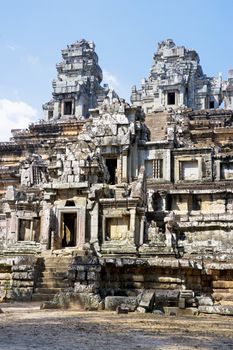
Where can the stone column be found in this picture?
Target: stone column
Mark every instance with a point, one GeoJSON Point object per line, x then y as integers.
{"type": "Point", "coordinates": [124, 168]}
{"type": "Point", "coordinates": [13, 236]}
{"type": "Point", "coordinates": [81, 227]}
{"type": "Point", "coordinates": [142, 229]}
{"type": "Point", "coordinates": [45, 225]}
{"type": "Point", "coordinates": [218, 170]}
{"type": "Point", "coordinates": [103, 228]}
{"type": "Point", "coordinates": [132, 224]}
{"type": "Point", "coordinates": [167, 165]}
{"type": "Point", "coordinates": [56, 110]}
{"type": "Point", "coordinates": [134, 161]}
{"type": "Point", "coordinates": [94, 224]}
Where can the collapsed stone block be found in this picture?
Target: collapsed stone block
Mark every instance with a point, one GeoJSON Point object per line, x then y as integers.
{"type": "Point", "coordinates": [112, 302]}
{"type": "Point", "coordinates": [147, 299]}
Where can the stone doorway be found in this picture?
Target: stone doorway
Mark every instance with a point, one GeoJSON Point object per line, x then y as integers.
{"type": "Point", "coordinates": [69, 229]}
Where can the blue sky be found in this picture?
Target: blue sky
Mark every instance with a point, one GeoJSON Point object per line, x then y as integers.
{"type": "Point", "coordinates": [126, 33]}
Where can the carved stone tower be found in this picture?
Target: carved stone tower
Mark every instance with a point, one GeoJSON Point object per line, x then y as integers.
{"type": "Point", "coordinates": [77, 87]}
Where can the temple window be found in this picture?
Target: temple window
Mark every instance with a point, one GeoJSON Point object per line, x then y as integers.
{"type": "Point", "coordinates": [154, 168]}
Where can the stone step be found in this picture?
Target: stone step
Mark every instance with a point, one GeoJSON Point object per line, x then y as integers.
{"type": "Point", "coordinates": [47, 290]}
{"type": "Point", "coordinates": [52, 284]}
{"type": "Point", "coordinates": [42, 297]}
{"type": "Point", "coordinates": [52, 267]}
{"type": "Point", "coordinates": [53, 263]}
{"type": "Point", "coordinates": [53, 275]}
{"type": "Point", "coordinates": [41, 279]}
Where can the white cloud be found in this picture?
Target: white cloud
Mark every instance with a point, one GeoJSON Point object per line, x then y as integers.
{"type": "Point", "coordinates": [30, 59]}
{"type": "Point", "coordinates": [11, 47]}
{"type": "Point", "coordinates": [14, 115]}
{"type": "Point", "coordinates": [110, 79]}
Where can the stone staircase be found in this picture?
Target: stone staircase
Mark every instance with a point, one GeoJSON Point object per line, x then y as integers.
{"type": "Point", "coordinates": [51, 277]}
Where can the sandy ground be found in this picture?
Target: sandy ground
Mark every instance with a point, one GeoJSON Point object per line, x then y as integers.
{"type": "Point", "coordinates": [26, 327]}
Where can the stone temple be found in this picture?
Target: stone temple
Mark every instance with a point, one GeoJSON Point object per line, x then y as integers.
{"type": "Point", "coordinates": [105, 203]}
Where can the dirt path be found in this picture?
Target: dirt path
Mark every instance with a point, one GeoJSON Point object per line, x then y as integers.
{"type": "Point", "coordinates": [30, 328]}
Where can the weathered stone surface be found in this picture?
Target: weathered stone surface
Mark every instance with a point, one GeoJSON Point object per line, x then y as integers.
{"type": "Point", "coordinates": [205, 301]}
{"type": "Point", "coordinates": [175, 311]}
{"type": "Point", "coordinates": [181, 303]}
{"type": "Point", "coordinates": [88, 301]}
{"type": "Point", "coordinates": [147, 299]}
{"type": "Point", "coordinates": [112, 302]}
{"type": "Point", "coordinates": [81, 288]}
{"type": "Point", "coordinates": [217, 309]}
{"type": "Point", "coordinates": [141, 309]}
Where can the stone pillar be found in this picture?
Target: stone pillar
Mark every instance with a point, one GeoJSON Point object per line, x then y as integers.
{"type": "Point", "coordinates": [124, 168]}
{"type": "Point", "coordinates": [103, 228]}
{"type": "Point", "coordinates": [142, 229]}
{"type": "Point", "coordinates": [181, 98]}
{"type": "Point", "coordinates": [81, 227]}
{"type": "Point", "coordinates": [78, 108]}
{"type": "Point", "coordinates": [132, 223]}
{"type": "Point", "coordinates": [218, 170]}
{"type": "Point", "coordinates": [119, 169]}
{"type": "Point", "coordinates": [45, 225]}
{"type": "Point", "coordinates": [56, 109]}
{"type": "Point", "coordinates": [13, 236]}
{"type": "Point", "coordinates": [134, 161]}
{"type": "Point", "coordinates": [94, 223]}
{"type": "Point", "coordinates": [167, 166]}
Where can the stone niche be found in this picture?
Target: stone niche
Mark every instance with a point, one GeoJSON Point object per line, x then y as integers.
{"type": "Point", "coordinates": [227, 171]}
{"type": "Point", "coordinates": [188, 168]}
{"type": "Point", "coordinates": [29, 229]}
{"type": "Point", "coordinates": [117, 227]}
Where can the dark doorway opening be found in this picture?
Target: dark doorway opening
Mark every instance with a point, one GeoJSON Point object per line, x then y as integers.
{"type": "Point", "coordinates": [50, 114]}
{"type": "Point", "coordinates": [111, 164]}
{"type": "Point", "coordinates": [171, 98]}
{"type": "Point", "coordinates": [67, 107]}
{"type": "Point", "coordinates": [69, 228]}
{"type": "Point", "coordinates": [211, 104]}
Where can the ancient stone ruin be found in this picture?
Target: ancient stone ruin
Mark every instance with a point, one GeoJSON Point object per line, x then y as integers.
{"type": "Point", "coordinates": [106, 204]}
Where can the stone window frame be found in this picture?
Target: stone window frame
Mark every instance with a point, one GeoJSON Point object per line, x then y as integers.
{"type": "Point", "coordinates": [157, 169]}
{"type": "Point", "coordinates": [221, 163]}
{"type": "Point", "coordinates": [180, 159]}
{"type": "Point", "coordinates": [31, 227]}
{"type": "Point", "coordinates": [111, 215]}
{"type": "Point", "coordinates": [109, 218]}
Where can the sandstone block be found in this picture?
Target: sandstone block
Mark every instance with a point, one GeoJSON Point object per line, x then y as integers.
{"type": "Point", "coordinates": [217, 309]}
{"type": "Point", "coordinates": [92, 276]}
{"type": "Point", "coordinates": [111, 302]}
{"type": "Point", "coordinates": [205, 301]}
{"type": "Point", "coordinates": [147, 300]}
{"type": "Point", "coordinates": [81, 276]}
